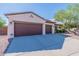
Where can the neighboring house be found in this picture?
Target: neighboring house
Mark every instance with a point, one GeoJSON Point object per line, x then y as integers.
{"type": "Point", "coordinates": [28, 23]}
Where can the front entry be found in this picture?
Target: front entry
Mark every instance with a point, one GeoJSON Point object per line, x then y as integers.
{"type": "Point", "coordinates": [48, 29]}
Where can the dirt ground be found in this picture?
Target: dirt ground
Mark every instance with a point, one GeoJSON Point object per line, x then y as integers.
{"type": "Point", "coordinates": [3, 43]}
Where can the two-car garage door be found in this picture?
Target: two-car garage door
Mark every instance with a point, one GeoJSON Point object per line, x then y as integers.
{"type": "Point", "coordinates": [24, 29]}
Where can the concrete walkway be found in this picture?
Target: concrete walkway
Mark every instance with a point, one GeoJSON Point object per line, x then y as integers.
{"type": "Point", "coordinates": [70, 47]}
{"type": "Point", "coordinates": [3, 43]}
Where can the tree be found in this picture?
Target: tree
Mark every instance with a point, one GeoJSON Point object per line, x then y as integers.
{"type": "Point", "coordinates": [69, 16]}
{"type": "Point", "coordinates": [2, 23]}
{"type": "Point", "coordinates": [75, 12]}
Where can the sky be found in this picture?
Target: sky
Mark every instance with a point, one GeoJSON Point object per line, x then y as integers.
{"type": "Point", "coordinates": [46, 10]}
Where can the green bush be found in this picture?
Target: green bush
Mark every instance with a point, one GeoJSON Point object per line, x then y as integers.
{"type": "Point", "coordinates": [60, 31]}
{"type": "Point", "coordinates": [2, 23]}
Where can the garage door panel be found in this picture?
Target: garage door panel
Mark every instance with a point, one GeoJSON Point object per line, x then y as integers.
{"type": "Point", "coordinates": [23, 29]}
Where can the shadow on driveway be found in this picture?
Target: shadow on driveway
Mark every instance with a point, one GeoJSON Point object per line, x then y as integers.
{"type": "Point", "coordinates": [36, 43]}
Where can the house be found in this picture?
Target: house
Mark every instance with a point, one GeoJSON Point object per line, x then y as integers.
{"type": "Point", "coordinates": [28, 23]}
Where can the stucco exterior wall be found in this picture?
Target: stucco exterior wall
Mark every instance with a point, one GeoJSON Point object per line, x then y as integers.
{"type": "Point", "coordinates": [26, 18]}
{"type": "Point", "coordinates": [10, 30]}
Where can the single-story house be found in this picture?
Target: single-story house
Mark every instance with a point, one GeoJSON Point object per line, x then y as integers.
{"type": "Point", "coordinates": [28, 23]}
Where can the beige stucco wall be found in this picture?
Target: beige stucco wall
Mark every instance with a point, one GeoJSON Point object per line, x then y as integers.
{"type": "Point", "coordinates": [26, 18]}
{"type": "Point", "coordinates": [11, 30]}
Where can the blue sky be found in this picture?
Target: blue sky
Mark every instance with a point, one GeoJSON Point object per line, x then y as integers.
{"type": "Point", "coordinates": [46, 10]}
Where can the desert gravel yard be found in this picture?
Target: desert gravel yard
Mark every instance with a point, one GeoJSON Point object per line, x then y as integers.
{"type": "Point", "coordinates": [3, 43]}
{"type": "Point", "coordinates": [70, 47]}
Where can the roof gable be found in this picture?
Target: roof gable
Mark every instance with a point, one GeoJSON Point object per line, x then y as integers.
{"type": "Point", "coordinates": [24, 13]}
{"type": "Point", "coordinates": [26, 16]}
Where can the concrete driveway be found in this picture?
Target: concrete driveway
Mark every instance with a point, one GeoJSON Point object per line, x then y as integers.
{"type": "Point", "coordinates": [70, 48]}
{"type": "Point", "coordinates": [3, 43]}
{"type": "Point", "coordinates": [36, 43]}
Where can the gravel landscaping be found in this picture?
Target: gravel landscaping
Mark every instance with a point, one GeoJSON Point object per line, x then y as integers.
{"type": "Point", "coordinates": [3, 43]}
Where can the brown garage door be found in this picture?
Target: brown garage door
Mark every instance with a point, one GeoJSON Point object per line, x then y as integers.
{"type": "Point", "coordinates": [48, 29]}
{"type": "Point", "coordinates": [24, 29]}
